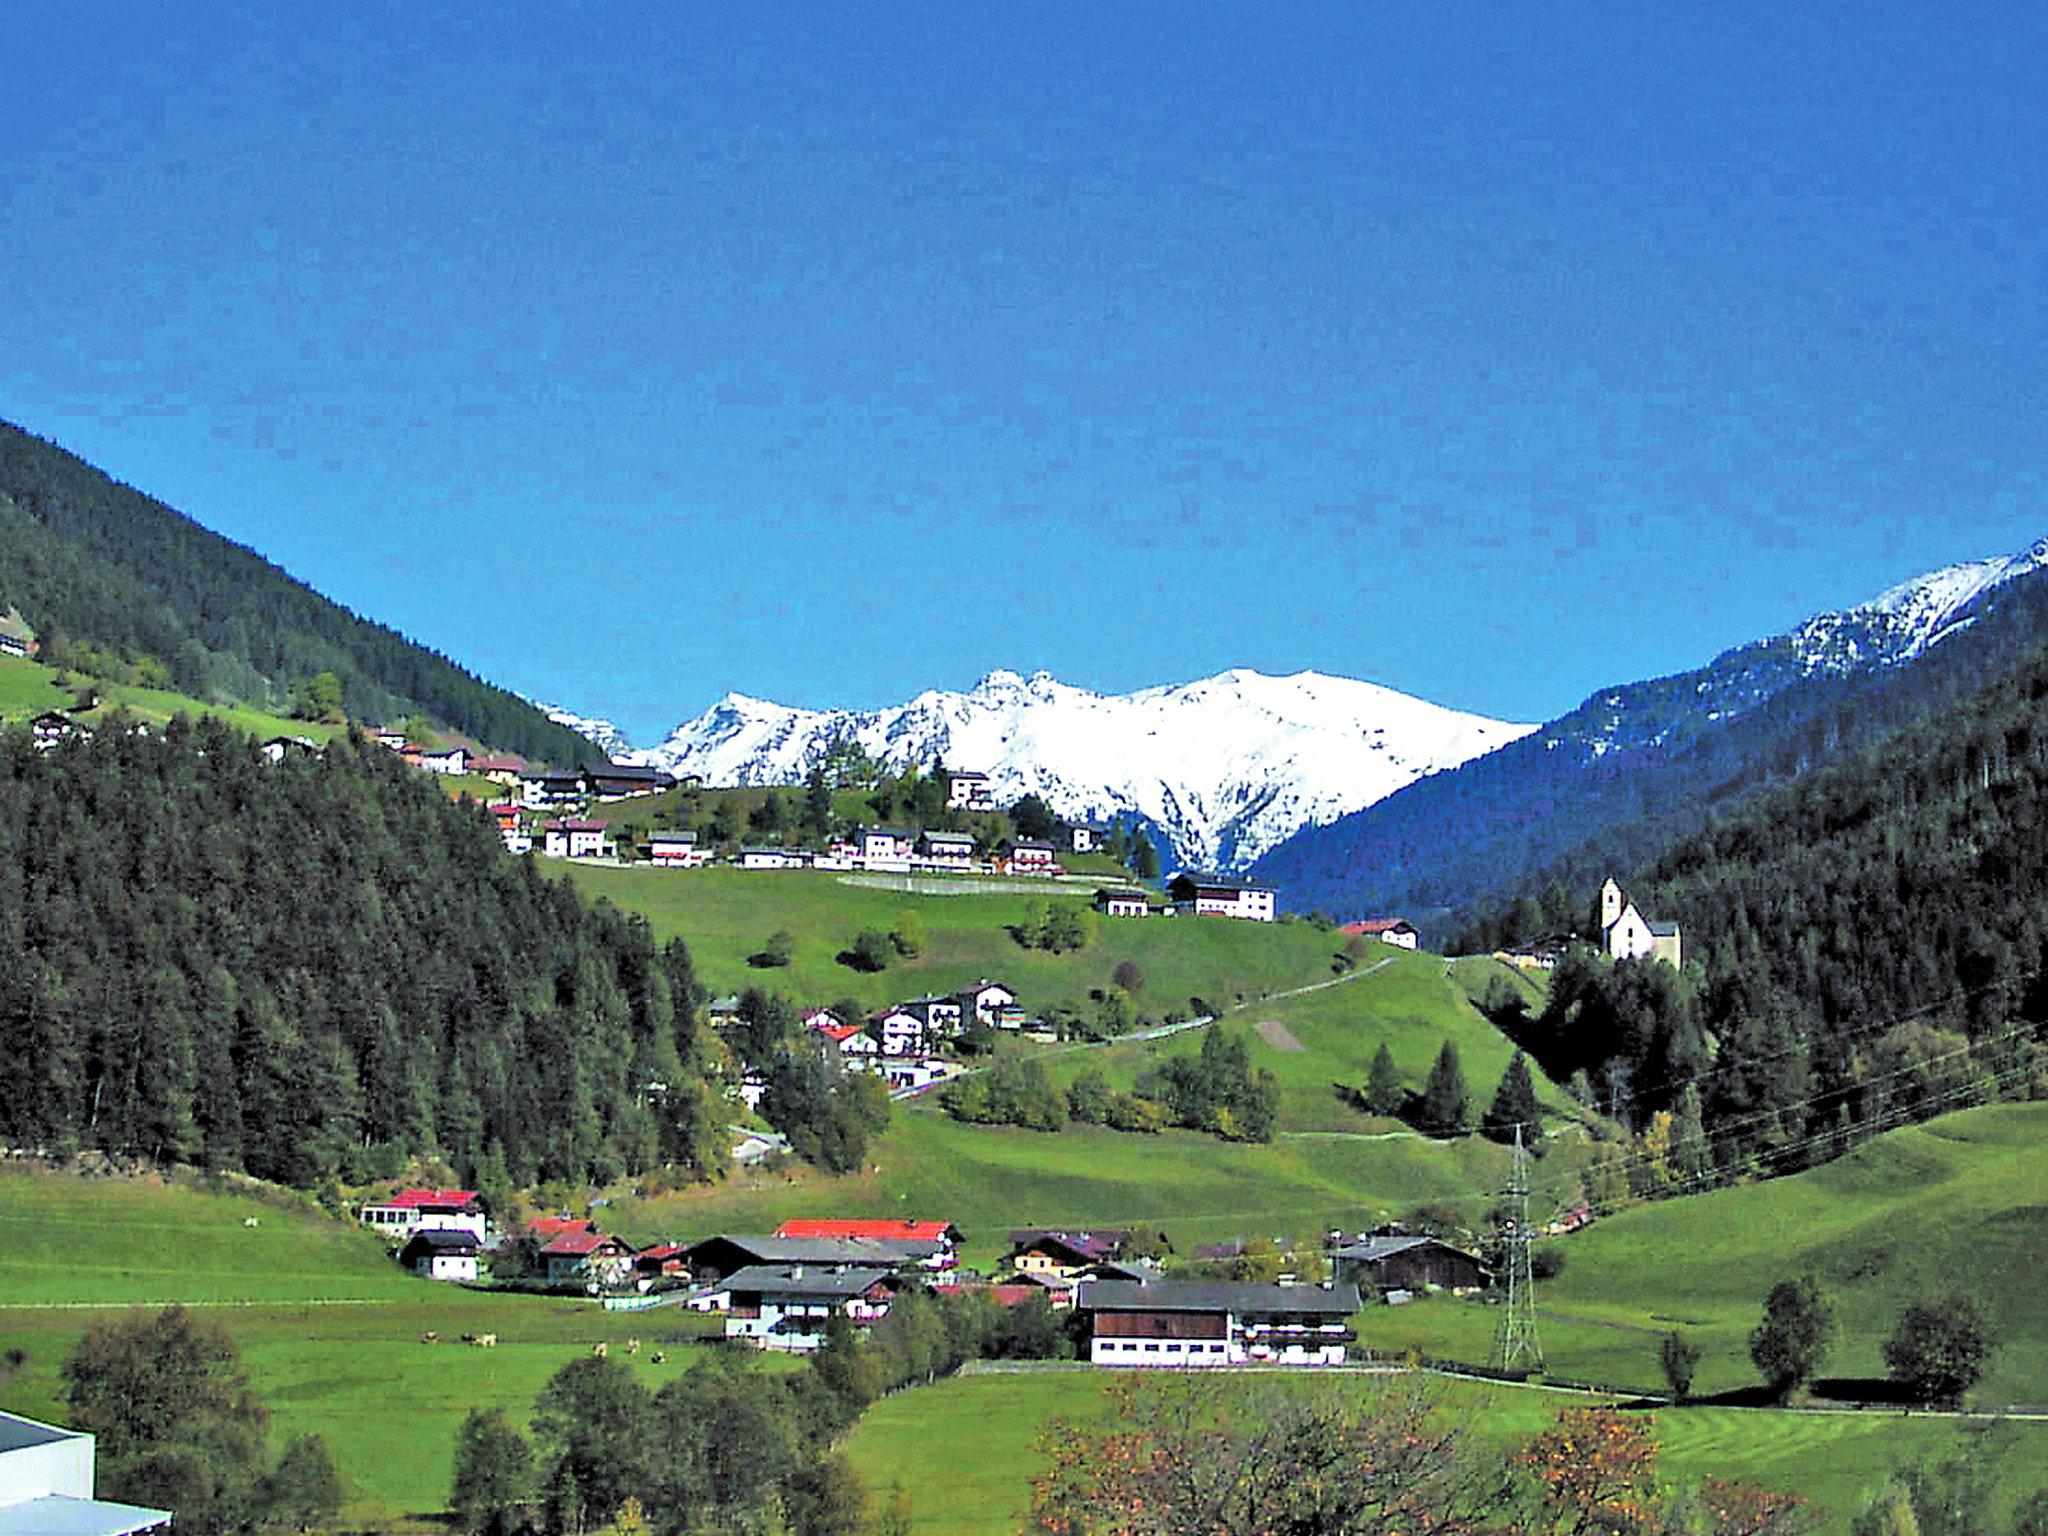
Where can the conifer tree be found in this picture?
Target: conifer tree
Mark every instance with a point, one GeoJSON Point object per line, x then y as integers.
{"type": "Point", "coordinates": [1514, 1104]}
{"type": "Point", "coordinates": [1384, 1094]}
{"type": "Point", "coordinates": [1446, 1101]}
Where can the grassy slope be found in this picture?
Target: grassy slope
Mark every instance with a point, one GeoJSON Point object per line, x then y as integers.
{"type": "Point", "coordinates": [1955, 1203]}
{"type": "Point", "coordinates": [726, 914]}
{"type": "Point", "coordinates": [355, 1371]}
{"type": "Point", "coordinates": [989, 1425]}
{"type": "Point", "coordinates": [27, 688]}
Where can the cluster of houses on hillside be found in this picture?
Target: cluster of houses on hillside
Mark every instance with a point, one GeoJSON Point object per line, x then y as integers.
{"type": "Point", "coordinates": [902, 1041]}
{"type": "Point", "coordinates": [781, 1291]}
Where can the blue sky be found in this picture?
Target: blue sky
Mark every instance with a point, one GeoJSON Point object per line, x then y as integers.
{"type": "Point", "coordinates": [634, 354]}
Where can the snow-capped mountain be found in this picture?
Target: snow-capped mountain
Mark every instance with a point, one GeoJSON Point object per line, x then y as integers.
{"type": "Point", "coordinates": [1225, 767]}
{"type": "Point", "coordinates": [1900, 623]}
{"type": "Point", "coordinates": [602, 732]}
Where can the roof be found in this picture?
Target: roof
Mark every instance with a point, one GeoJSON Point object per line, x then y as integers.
{"type": "Point", "coordinates": [881, 832]}
{"type": "Point", "coordinates": [428, 1199]}
{"type": "Point", "coordinates": [1121, 893]}
{"type": "Point", "coordinates": [965, 773]}
{"type": "Point", "coordinates": [888, 1229]}
{"type": "Point", "coordinates": [497, 764]}
{"type": "Point", "coordinates": [1376, 925]}
{"type": "Point", "coordinates": [823, 1250]}
{"type": "Point", "coordinates": [662, 1251]}
{"type": "Point", "coordinates": [18, 1433]}
{"type": "Point", "coordinates": [574, 825]}
{"type": "Point", "coordinates": [1089, 1247]}
{"type": "Point", "coordinates": [1216, 1296]}
{"type": "Point", "coordinates": [626, 771]}
{"type": "Point", "coordinates": [671, 837]}
{"type": "Point", "coordinates": [554, 1226]}
{"type": "Point", "coordinates": [985, 985]}
{"type": "Point", "coordinates": [1661, 930]}
{"type": "Point", "coordinates": [1208, 882]}
{"type": "Point", "coordinates": [949, 837]}
{"type": "Point", "coordinates": [446, 1239]}
{"type": "Point", "coordinates": [55, 1515]}
{"type": "Point", "coordinates": [576, 1245]}
{"type": "Point", "coordinates": [1372, 1249]}
{"type": "Point", "coordinates": [1038, 844]}
{"type": "Point", "coordinates": [803, 1280]}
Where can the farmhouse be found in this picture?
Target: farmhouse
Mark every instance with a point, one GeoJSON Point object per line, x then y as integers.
{"type": "Point", "coordinates": [1627, 935]}
{"type": "Point", "coordinates": [46, 1486]}
{"type": "Point", "coordinates": [278, 748]}
{"type": "Point", "coordinates": [1392, 1264]}
{"type": "Point", "coordinates": [1028, 856]}
{"type": "Point", "coordinates": [969, 791]}
{"type": "Point", "coordinates": [659, 1261]}
{"type": "Point", "coordinates": [787, 1306]}
{"type": "Point", "coordinates": [677, 850]}
{"type": "Point", "coordinates": [1063, 1257]}
{"type": "Point", "coordinates": [16, 638]}
{"type": "Point", "coordinates": [883, 845]}
{"type": "Point", "coordinates": [1218, 896]}
{"type": "Point", "coordinates": [947, 850]}
{"type": "Point", "coordinates": [1121, 902]}
{"type": "Point", "coordinates": [989, 1002]}
{"type": "Point", "coordinates": [940, 1015]}
{"type": "Point", "coordinates": [453, 761]}
{"type": "Point", "coordinates": [574, 839]}
{"type": "Point", "coordinates": [499, 770]}
{"type": "Point", "coordinates": [575, 1258]}
{"type": "Point", "coordinates": [1199, 1323]}
{"type": "Point", "coordinates": [1087, 836]}
{"type": "Point", "coordinates": [427, 1210]}
{"type": "Point", "coordinates": [1397, 931]}
{"type": "Point", "coordinates": [545, 789]}
{"type": "Point", "coordinates": [439, 1254]}
{"type": "Point", "coordinates": [710, 1259]}
{"type": "Point", "coordinates": [53, 726]}
{"type": "Point", "coordinates": [942, 1236]}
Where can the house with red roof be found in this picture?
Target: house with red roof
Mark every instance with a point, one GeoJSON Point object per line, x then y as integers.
{"type": "Point", "coordinates": [427, 1210]}
{"type": "Point", "coordinates": [885, 1229]}
{"type": "Point", "coordinates": [574, 838]}
{"type": "Point", "coordinates": [660, 1261]}
{"type": "Point", "coordinates": [585, 1258]}
{"type": "Point", "coordinates": [1397, 931]}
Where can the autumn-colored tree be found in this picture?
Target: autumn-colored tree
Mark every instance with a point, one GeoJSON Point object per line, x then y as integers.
{"type": "Point", "coordinates": [1596, 1472]}
{"type": "Point", "coordinates": [1723, 1508]}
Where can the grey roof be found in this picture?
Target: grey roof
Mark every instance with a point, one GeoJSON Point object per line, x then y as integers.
{"type": "Point", "coordinates": [671, 837]}
{"type": "Point", "coordinates": [828, 1250]}
{"type": "Point", "coordinates": [1122, 893]}
{"type": "Point", "coordinates": [1661, 930]}
{"type": "Point", "coordinates": [17, 1433]}
{"type": "Point", "coordinates": [1222, 882]}
{"type": "Point", "coordinates": [444, 1237]}
{"type": "Point", "coordinates": [55, 1515]}
{"type": "Point", "coordinates": [949, 837]}
{"type": "Point", "coordinates": [803, 1280]}
{"type": "Point", "coordinates": [1032, 842]}
{"type": "Point", "coordinates": [882, 832]}
{"type": "Point", "coordinates": [1216, 1296]}
{"type": "Point", "coordinates": [1372, 1249]}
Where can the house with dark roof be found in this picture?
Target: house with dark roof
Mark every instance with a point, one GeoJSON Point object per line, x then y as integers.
{"type": "Point", "coordinates": [1038, 1253]}
{"type": "Point", "coordinates": [1030, 856]}
{"type": "Point", "coordinates": [969, 790]}
{"type": "Point", "coordinates": [1122, 901]}
{"type": "Point", "coordinates": [1201, 895]}
{"type": "Point", "coordinates": [787, 1306]}
{"type": "Point", "coordinates": [53, 726]}
{"type": "Point", "coordinates": [1204, 1323]}
{"type": "Point", "coordinates": [709, 1260]}
{"type": "Point", "coordinates": [1393, 1265]}
{"type": "Point", "coordinates": [438, 1253]}
{"type": "Point", "coordinates": [946, 850]}
{"type": "Point", "coordinates": [575, 838]}
{"type": "Point", "coordinates": [677, 850]}
{"type": "Point", "coordinates": [46, 1486]}
{"type": "Point", "coordinates": [988, 1002]}
{"type": "Point", "coordinates": [884, 845]}
{"type": "Point", "coordinates": [615, 781]}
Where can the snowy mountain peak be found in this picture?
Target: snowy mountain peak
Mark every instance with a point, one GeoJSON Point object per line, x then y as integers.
{"type": "Point", "coordinates": [1903, 621]}
{"type": "Point", "coordinates": [1225, 767]}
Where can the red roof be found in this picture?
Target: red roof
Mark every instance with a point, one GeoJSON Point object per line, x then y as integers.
{"type": "Point", "coordinates": [839, 1032]}
{"type": "Point", "coordinates": [578, 1244]}
{"type": "Point", "coordinates": [1375, 925]}
{"type": "Point", "coordinates": [664, 1251]}
{"type": "Point", "coordinates": [429, 1199]}
{"type": "Point", "coordinates": [496, 764]}
{"type": "Point", "coordinates": [899, 1231]}
{"type": "Point", "coordinates": [555, 1226]}
{"type": "Point", "coordinates": [1001, 1295]}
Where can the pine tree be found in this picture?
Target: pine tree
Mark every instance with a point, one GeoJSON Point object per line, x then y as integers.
{"type": "Point", "coordinates": [1514, 1104]}
{"type": "Point", "coordinates": [1446, 1101]}
{"type": "Point", "coordinates": [1384, 1094]}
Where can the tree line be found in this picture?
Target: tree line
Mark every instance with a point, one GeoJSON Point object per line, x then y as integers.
{"type": "Point", "coordinates": [322, 969]}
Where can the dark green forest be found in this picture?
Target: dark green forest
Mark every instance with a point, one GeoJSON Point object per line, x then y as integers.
{"type": "Point", "coordinates": [1866, 945]}
{"type": "Point", "coordinates": [98, 563]}
{"type": "Point", "coordinates": [321, 968]}
{"type": "Point", "coordinates": [1454, 850]}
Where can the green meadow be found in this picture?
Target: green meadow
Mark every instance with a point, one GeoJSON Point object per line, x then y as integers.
{"type": "Point", "coordinates": [726, 915]}
{"type": "Point", "coordinates": [27, 688]}
{"type": "Point", "coordinates": [965, 1450]}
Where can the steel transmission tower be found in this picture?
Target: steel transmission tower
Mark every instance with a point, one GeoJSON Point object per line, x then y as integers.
{"type": "Point", "coordinates": [1514, 1346]}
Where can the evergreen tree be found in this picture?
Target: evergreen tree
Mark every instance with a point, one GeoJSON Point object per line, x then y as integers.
{"type": "Point", "coordinates": [1515, 1104]}
{"type": "Point", "coordinates": [1144, 857]}
{"type": "Point", "coordinates": [1446, 1101]}
{"type": "Point", "coordinates": [304, 1491]}
{"type": "Point", "coordinates": [1384, 1094]}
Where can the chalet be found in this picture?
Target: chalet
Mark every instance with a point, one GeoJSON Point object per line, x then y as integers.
{"type": "Point", "coordinates": [943, 1235]}
{"type": "Point", "coordinates": [573, 839]}
{"type": "Point", "coordinates": [721, 1011]}
{"type": "Point", "coordinates": [940, 1015]}
{"type": "Point", "coordinates": [1218, 896]}
{"type": "Point", "coordinates": [822, 1019]}
{"type": "Point", "coordinates": [689, 781]}
{"type": "Point", "coordinates": [46, 1486]}
{"type": "Point", "coordinates": [1627, 935]}
{"type": "Point", "coordinates": [587, 1257]}
{"type": "Point", "coordinates": [771, 858]}
{"type": "Point", "coordinates": [616, 781]}
{"type": "Point", "coordinates": [1087, 836]}
{"type": "Point", "coordinates": [969, 791]}
{"type": "Point", "coordinates": [989, 1002]}
{"type": "Point", "coordinates": [677, 850]}
{"type": "Point", "coordinates": [15, 637]}
{"type": "Point", "coordinates": [412, 756]}
{"type": "Point", "coordinates": [710, 1259]}
{"type": "Point", "coordinates": [440, 1255]}
{"type": "Point", "coordinates": [660, 1261]}
{"type": "Point", "coordinates": [946, 850]}
{"type": "Point", "coordinates": [453, 761]}
{"type": "Point", "coordinates": [1029, 856]}
{"type": "Point", "coordinates": [902, 1033]}
{"type": "Point", "coordinates": [1397, 931]}
{"type": "Point", "coordinates": [787, 1306]}
{"type": "Point", "coordinates": [546, 789]}
{"type": "Point", "coordinates": [53, 726]}
{"type": "Point", "coordinates": [1121, 902]}
{"type": "Point", "coordinates": [1063, 1256]}
{"type": "Point", "coordinates": [499, 770]}
{"type": "Point", "coordinates": [278, 748]}
{"type": "Point", "coordinates": [1394, 1264]}
{"type": "Point", "coordinates": [883, 845]}
{"type": "Point", "coordinates": [427, 1210]}
{"type": "Point", "coordinates": [1200, 1323]}
{"type": "Point", "coordinates": [395, 740]}
{"type": "Point", "coordinates": [860, 1048]}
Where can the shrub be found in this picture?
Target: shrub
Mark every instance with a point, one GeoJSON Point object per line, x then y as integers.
{"type": "Point", "coordinates": [1940, 1349]}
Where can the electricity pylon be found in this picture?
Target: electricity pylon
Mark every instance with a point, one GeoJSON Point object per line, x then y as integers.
{"type": "Point", "coordinates": [1515, 1347]}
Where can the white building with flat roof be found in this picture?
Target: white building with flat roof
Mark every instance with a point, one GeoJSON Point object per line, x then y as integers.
{"type": "Point", "coordinates": [46, 1486]}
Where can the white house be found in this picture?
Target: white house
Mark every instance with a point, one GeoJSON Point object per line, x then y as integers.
{"type": "Point", "coordinates": [940, 1015]}
{"type": "Point", "coordinates": [946, 850]}
{"type": "Point", "coordinates": [1122, 903]}
{"type": "Point", "coordinates": [448, 760]}
{"type": "Point", "coordinates": [427, 1210]}
{"type": "Point", "coordinates": [441, 1255]}
{"type": "Point", "coordinates": [883, 846]}
{"type": "Point", "coordinates": [584, 1257]}
{"type": "Point", "coordinates": [575, 839]}
{"type": "Point", "coordinates": [1397, 931]}
{"type": "Point", "coordinates": [1200, 1323]}
{"type": "Point", "coordinates": [970, 791]}
{"type": "Point", "coordinates": [787, 1306]}
{"type": "Point", "coordinates": [278, 748]}
{"type": "Point", "coordinates": [901, 1032]}
{"type": "Point", "coordinates": [677, 850]}
{"type": "Point", "coordinates": [1029, 856]}
{"type": "Point", "coordinates": [1219, 896]}
{"type": "Point", "coordinates": [1086, 836]}
{"type": "Point", "coordinates": [988, 1002]}
{"type": "Point", "coordinates": [771, 858]}
{"type": "Point", "coordinates": [912, 1074]}
{"type": "Point", "coordinates": [46, 1486]}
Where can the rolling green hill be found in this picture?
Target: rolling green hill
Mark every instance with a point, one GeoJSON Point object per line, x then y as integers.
{"type": "Point", "coordinates": [1956, 1203]}
{"type": "Point", "coordinates": [87, 558]}
{"type": "Point", "coordinates": [28, 688]}
{"type": "Point", "coordinates": [725, 915]}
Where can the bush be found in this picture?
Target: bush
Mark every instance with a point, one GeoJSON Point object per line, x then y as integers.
{"type": "Point", "coordinates": [908, 936]}
{"type": "Point", "coordinates": [870, 951]}
{"type": "Point", "coordinates": [1129, 977]}
{"type": "Point", "coordinates": [1546, 1263]}
{"type": "Point", "coordinates": [776, 952]}
{"type": "Point", "coordinates": [1940, 1349]}
{"type": "Point", "coordinates": [1680, 1357]}
{"type": "Point", "coordinates": [1129, 1112]}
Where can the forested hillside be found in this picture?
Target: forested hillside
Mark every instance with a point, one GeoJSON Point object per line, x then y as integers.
{"type": "Point", "coordinates": [87, 558]}
{"type": "Point", "coordinates": [1632, 769]}
{"type": "Point", "coordinates": [321, 967]}
{"type": "Point", "coordinates": [1865, 946]}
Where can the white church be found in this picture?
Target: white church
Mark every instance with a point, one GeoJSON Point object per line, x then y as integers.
{"type": "Point", "coordinates": [1627, 935]}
